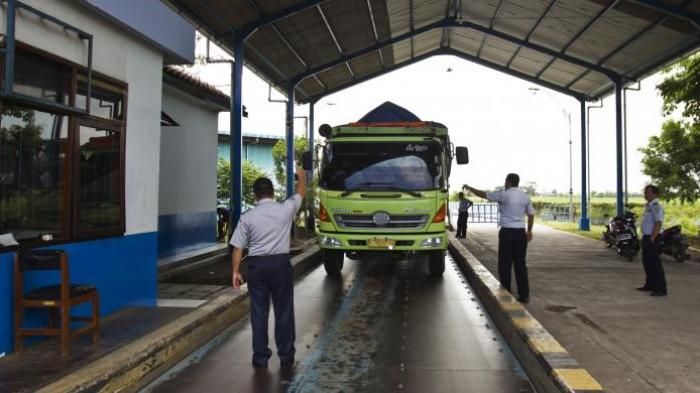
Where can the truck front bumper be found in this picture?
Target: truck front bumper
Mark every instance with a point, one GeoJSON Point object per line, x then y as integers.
{"type": "Point", "coordinates": [383, 241]}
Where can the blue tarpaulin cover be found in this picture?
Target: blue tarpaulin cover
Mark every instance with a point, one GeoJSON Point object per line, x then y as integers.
{"type": "Point", "coordinates": [389, 112]}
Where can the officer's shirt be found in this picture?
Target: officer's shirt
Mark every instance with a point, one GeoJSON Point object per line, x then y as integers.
{"type": "Point", "coordinates": [265, 229]}
{"type": "Point", "coordinates": [513, 205]}
{"type": "Point", "coordinates": [653, 212]}
{"type": "Point", "coordinates": [464, 205]}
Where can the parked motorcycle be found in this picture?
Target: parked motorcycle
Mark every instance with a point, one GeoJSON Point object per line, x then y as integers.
{"type": "Point", "coordinates": [621, 232]}
{"type": "Point", "coordinates": [674, 243]}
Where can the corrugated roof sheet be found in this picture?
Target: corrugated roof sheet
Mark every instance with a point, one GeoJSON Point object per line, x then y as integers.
{"type": "Point", "coordinates": [578, 47]}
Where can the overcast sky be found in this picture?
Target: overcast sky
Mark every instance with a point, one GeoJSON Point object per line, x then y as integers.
{"type": "Point", "coordinates": [506, 126]}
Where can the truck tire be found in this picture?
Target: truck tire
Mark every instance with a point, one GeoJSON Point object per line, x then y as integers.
{"type": "Point", "coordinates": [333, 262]}
{"type": "Point", "coordinates": [436, 263]}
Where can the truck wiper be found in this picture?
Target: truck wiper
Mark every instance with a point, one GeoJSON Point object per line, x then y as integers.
{"type": "Point", "coordinates": [385, 186]}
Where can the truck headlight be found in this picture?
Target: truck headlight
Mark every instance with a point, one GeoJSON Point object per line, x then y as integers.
{"type": "Point", "coordinates": [327, 241]}
{"type": "Point", "coordinates": [431, 242]}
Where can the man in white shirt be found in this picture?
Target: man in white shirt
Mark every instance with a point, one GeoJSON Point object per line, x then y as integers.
{"type": "Point", "coordinates": [513, 206]}
{"type": "Point", "coordinates": [265, 232]}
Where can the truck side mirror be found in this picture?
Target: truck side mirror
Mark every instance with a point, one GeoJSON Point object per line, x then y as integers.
{"type": "Point", "coordinates": [307, 161]}
{"type": "Point", "coordinates": [324, 130]}
{"type": "Point", "coordinates": [462, 154]}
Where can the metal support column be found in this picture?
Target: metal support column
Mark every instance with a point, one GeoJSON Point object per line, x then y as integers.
{"type": "Point", "coordinates": [584, 223]}
{"type": "Point", "coordinates": [311, 127]}
{"type": "Point", "coordinates": [618, 147]}
{"type": "Point", "coordinates": [236, 133]}
{"type": "Point", "coordinates": [290, 141]}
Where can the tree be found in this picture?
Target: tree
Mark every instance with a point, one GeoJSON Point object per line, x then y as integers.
{"type": "Point", "coordinates": [223, 180]}
{"type": "Point", "coordinates": [279, 156]}
{"type": "Point", "coordinates": [672, 160]}
{"type": "Point", "coordinates": [530, 188]}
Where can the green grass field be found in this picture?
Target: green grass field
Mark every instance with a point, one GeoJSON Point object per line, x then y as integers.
{"type": "Point", "coordinates": [685, 215]}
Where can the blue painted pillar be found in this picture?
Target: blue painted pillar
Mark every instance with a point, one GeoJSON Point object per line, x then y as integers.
{"type": "Point", "coordinates": [311, 127]}
{"type": "Point", "coordinates": [236, 157]}
{"type": "Point", "coordinates": [290, 141]}
{"type": "Point", "coordinates": [618, 147]}
{"type": "Point", "coordinates": [584, 223]}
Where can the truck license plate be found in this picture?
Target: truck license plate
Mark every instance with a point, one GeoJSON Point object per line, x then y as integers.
{"type": "Point", "coordinates": [381, 243]}
{"type": "Point", "coordinates": [625, 236]}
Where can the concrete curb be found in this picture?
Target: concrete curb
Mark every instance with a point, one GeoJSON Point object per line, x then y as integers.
{"type": "Point", "coordinates": [550, 367]}
{"type": "Point", "coordinates": [132, 367]}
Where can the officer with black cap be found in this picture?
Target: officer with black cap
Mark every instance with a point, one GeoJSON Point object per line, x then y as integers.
{"type": "Point", "coordinates": [264, 230]}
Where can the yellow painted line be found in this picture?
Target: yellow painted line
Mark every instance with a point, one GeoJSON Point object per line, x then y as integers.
{"type": "Point", "coordinates": [502, 292]}
{"type": "Point", "coordinates": [545, 345]}
{"type": "Point", "coordinates": [525, 323]}
{"type": "Point", "coordinates": [511, 306]}
{"type": "Point", "coordinates": [577, 379]}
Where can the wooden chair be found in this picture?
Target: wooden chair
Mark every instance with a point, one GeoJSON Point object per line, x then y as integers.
{"type": "Point", "coordinates": [58, 299]}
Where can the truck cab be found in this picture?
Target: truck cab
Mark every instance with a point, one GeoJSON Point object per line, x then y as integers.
{"type": "Point", "coordinates": [383, 187]}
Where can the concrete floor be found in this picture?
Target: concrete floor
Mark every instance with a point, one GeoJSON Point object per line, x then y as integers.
{"type": "Point", "coordinates": [584, 295]}
{"type": "Point", "coordinates": [384, 326]}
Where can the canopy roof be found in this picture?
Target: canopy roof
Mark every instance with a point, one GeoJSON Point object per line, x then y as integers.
{"type": "Point", "coordinates": [577, 47]}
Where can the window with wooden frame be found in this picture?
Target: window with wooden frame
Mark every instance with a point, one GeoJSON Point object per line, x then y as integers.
{"type": "Point", "coordinates": [61, 174]}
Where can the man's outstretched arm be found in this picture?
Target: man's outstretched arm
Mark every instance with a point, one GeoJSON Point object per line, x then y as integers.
{"type": "Point", "coordinates": [479, 193]}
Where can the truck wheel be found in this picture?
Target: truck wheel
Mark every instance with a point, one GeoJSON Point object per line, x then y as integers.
{"type": "Point", "coordinates": [333, 262]}
{"type": "Point", "coordinates": [436, 263]}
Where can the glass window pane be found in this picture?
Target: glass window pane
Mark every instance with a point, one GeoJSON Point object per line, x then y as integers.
{"type": "Point", "coordinates": [105, 103]}
{"type": "Point", "coordinates": [100, 174]}
{"type": "Point", "coordinates": [33, 172]}
{"type": "Point", "coordinates": [41, 78]}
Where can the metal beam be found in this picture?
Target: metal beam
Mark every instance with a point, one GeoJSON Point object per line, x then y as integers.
{"type": "Point", "coordinates": [335, 39]}
{"type": "Point", "coordinates": [532, 30]}
{"type": "Point", "coordinates": [374, 30]}
{"type": "Point", "coordinates": [450, 22]}
{"type": "Point", "coordinates": [410, 27]}
{"type": "Point", "coordinates": [584, 223]}
{"type": "Point", "coordinates": [275, 17]}
{"type": "Point", "coordinates": [450, 51]}
{"type": "Point", "coordinates": [671, 9]}
{"type": "Point", "coordinates": [576, 36]}
{"type": "Point", "coordinates": [10, 47]}
{"type": "Point", "coordinates": [627, 42]}
{"type": "Point", "coordinates": [491, 23]}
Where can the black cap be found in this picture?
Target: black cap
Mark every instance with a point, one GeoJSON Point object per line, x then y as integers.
{"type": "Point", "coordinates": [262, 185]}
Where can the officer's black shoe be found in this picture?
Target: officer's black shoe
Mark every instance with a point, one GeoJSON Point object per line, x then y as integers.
{"type": "Point", "coordinates": [658, 293]}
{"type": "Point", "coordinates": [645, 289]}
{"type": "Point", "coordinates": [524, 299]}
{"type": "Point", "coordinates": [287, 364]}
{"type": "Point", "coordinates": [259, 366]}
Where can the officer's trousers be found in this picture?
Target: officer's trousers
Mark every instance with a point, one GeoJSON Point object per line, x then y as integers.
{"type": "Point", "coordinates": [654, 269]}
{"type": "Point", "coordinates": [512, 250]}
{"type": "Point", "coordinates": [462, 219]}
{"type": "Point", "coordinates": [272, 277]}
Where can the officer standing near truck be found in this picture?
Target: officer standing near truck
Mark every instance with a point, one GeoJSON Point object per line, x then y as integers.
{"type": "Point", "coordinates": [513, 206]}
{"type": "Point", "coordinates": [264, 231]}
{"type": "Point", "coordinates": [651, 229]}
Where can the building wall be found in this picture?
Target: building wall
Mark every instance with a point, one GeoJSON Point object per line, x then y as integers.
{"type": "Point", "coordinates": [260, 154]}
{"type": "Point", "coordinates": [187, 203]}
{"type": "Point", "coordinates": [123, 267]}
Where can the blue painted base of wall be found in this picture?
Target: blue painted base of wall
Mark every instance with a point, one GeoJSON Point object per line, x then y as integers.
{"type": "Point", "coordinates": [124, 269]}
{"type": "Point", "coordinates": [182, 232]}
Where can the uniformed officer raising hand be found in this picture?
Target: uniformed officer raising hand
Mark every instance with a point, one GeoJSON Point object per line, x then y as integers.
{"type": "Point", "coordinates": [513, 206]}
{"type": "Point", "coordinates": [265, 231]}
{"type": "Point", "coordinates": [651, 228]}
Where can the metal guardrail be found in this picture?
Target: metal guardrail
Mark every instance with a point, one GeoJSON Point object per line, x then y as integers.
{"type": "Point", "coordinates": [478, 213]}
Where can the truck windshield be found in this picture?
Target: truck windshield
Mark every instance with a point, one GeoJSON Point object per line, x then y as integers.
{"type": "Point", "coordinates": [382, 166]}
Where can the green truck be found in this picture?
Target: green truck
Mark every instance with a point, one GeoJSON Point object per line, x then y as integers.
{"type": "Point", "coordinates": [383, 187]}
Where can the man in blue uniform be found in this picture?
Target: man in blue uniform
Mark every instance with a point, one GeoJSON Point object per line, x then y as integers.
{"type": "Point", "coordinates": [264, 231]}
{"type": "Point", "coordinates": [652, 222]}
{"type": "Point", "coordinates": [513, 206]}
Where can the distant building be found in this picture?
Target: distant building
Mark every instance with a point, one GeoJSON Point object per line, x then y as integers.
{"type": "Point", "coordinates": [257, 148]}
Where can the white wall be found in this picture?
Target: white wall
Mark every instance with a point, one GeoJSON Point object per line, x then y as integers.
{"type": "Point", "coordinates": [122, 56]}
{"type": "Point", "coordinates": [188, 155]}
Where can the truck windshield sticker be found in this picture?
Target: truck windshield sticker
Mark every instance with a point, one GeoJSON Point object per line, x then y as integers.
{"type": "Point", "coordinates": [416, 148]}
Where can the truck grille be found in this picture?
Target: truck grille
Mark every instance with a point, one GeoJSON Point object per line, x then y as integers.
{"type": "Point", "coordinates": [395, 221]}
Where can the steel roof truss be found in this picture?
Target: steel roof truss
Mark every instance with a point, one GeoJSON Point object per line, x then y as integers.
{"type": "Point", "coordinates": [335, 39]}
{"type": "Point", "coordinates": [673, 10]}
{"type": "Point", "coordinates": [532, 30]}
{"type": "Point", "coordinates": [374, 31]}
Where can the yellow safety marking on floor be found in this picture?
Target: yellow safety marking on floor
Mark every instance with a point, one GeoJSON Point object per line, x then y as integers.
{"type": "Point", "coordinates": [524, 323]}
{"type": "Point", "coordinates": [577, 379]}
{"type": "Point", "coordinates": [511, 306]}
{"type": "Point", "coordinates": [545, 345]}
{"type": "Point", "coordinates": [502, 292]}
